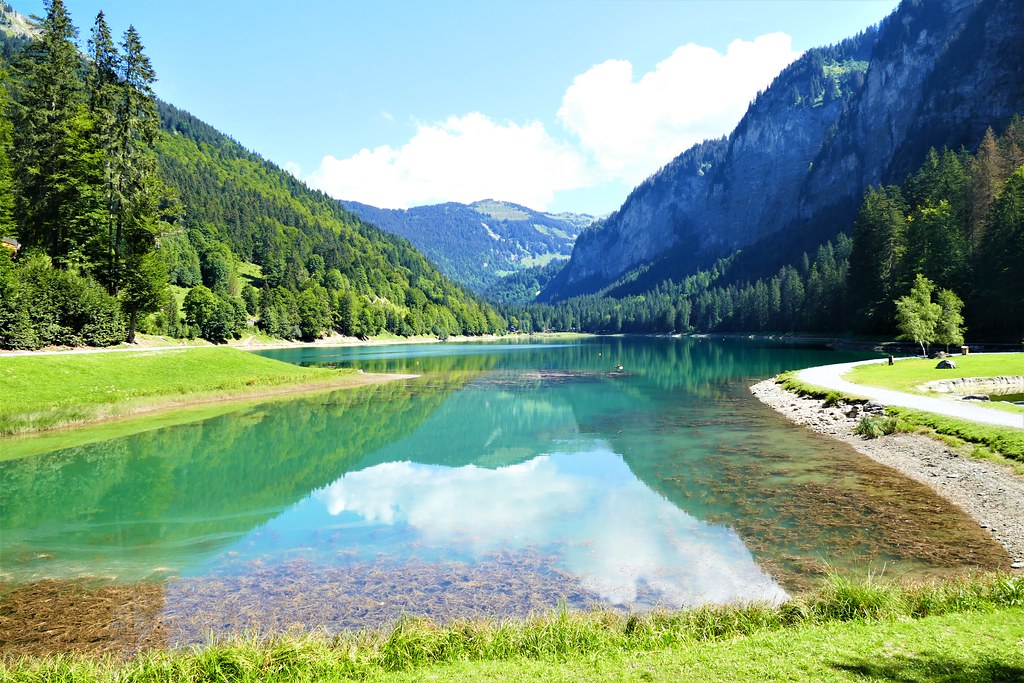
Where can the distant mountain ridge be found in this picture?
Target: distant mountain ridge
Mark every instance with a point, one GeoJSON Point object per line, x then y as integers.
{"type": "Point", "coordinates": [476, 244]}
{"type": "Point", "coordinates": [793, 172]}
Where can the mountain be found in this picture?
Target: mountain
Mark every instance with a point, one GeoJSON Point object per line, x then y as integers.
{"type": "Point", "coordinates": [476, 244]}
{"type": "Point", "coordinates": [294, 234]}
{"type": "Point", "coordinates": [791, 175]}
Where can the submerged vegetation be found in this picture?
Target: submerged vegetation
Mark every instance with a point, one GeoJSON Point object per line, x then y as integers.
{"type": "Point", "coordinates": [599, 641]}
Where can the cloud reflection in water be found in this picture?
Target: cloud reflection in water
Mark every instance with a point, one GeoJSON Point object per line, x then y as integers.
{"type": "Point", "coordinates": [627, 543]}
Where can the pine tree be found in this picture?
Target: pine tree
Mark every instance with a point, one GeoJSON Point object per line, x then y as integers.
{"type": "Point", "coordinates": [7, 226]}
{"type": "Point", "coordinates": [56, 162]}
{"type": "Point", "coordinates": [103, 88]}
{"type": "Point", "coordinates": [1001, 261]}
{"type": "Point", "coordinates": [136, 190]}
{"type": "Point", "coordinates": [988, 172]}
{"type": "Point", "coordinates": [879, 244]}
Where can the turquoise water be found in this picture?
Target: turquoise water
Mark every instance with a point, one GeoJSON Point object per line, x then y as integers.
{"type": "Point", "coordinates": [506, 478]}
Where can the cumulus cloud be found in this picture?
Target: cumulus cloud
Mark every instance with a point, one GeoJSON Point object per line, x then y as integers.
{"type": "Point", "coordinates": [463, 159]}
{"type": "Point", "coordinates": [616, 128]}
{"type": "Point", "coordinates": [633, 127]}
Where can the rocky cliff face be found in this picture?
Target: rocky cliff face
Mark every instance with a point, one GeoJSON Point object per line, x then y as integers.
{"type": "Point", "coordinates": [791, 175]}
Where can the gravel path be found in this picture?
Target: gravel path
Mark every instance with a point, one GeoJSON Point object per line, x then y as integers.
{"type": "Point", "coordinates": [990, 494]}
{"type": "Point", "coordinates": [831, 377]}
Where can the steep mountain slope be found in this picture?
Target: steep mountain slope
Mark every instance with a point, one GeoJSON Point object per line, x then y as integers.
{"type": "Point", "coordinates": [790, 176]}
{"type": "Point", "coordinates": [295, 234]}
{"type": "Point", "coordinates": [476, 244]}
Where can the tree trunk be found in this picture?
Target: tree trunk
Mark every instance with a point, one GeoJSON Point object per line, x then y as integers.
{"type": "Point", "coordinates": [132, 317]}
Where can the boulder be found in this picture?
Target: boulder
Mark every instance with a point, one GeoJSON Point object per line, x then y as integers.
{"type": "Point", "coordinates": [946, 364]}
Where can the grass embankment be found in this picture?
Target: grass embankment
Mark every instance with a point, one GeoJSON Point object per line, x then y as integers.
{"type": "Point", "coordinates": [967, 629]}
{"type": "Point", "coordinates": [49, 391]}
{"type": "Point", "coordinates": [910, 374]}
{"type": "Point", "coordinates": [988, 440]}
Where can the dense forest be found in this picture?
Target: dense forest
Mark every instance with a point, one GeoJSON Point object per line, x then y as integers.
{"type": "Point", "coordinates": [958, 221]}
{"type": "Point", "coordinates": [120, 213]}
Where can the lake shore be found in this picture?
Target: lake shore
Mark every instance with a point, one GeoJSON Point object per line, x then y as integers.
{"type": "Point", "coordinates": [48, 392]}
{"type": "Point", "coordinates": [255, 343]}
{"type": "Point", "coordinates": [990, 494]}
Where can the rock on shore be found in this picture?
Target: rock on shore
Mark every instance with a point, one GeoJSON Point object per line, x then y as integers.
{"type": "Point", "coordinates": [990, 494]}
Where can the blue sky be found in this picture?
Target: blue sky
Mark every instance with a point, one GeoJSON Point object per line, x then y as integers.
{"type": "Point", "coordinates": [562, 105]}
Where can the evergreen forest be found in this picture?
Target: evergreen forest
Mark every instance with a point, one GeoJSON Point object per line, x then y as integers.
{"type": "Point", "coordinates": [957, 221]}
{"type": "Point", "coordinates": [122, 214]}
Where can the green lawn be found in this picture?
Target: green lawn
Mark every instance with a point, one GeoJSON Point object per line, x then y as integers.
{"type": "Point", "coordinates": [43, 392]}
{"type": "Point", "coordinates": [910, 374]}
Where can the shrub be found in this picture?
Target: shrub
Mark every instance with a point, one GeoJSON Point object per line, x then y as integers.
{"type": "Point", "coordinates": [873, 426]}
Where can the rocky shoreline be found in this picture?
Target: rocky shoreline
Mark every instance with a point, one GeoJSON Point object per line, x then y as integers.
{"type": "Point", "coordinates": [992, 495]}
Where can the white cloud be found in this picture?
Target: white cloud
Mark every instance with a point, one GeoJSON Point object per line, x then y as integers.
{"type": "Point", "coordinates": [293, 168]}
{"type": "Point", "coordinates": [463, 159]}
{"type": "Point", "coordinates": [633, 127]}
{"type": "Point", "coordinates": [621, 129]}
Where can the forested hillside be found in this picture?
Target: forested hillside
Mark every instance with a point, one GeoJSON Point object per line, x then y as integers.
{"type": "Point", "coordinates": [114, 207]}
{"type": "Point", "coordinates": [958, 221]}
{"type": "Point", "coordinates": [478, 244]}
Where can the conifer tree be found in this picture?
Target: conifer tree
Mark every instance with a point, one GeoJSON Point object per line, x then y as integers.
{"type": "Point", "coordinates": [138, 275]}
{"type": "Point", "coordinates": [7, 227]}
{"type": "Point", "coordinates": [876, 258]}
{"type": "Point", "coordinates": [103, 91]}
{"type": "Point", "coordinates": [56, 163]}
{"type": "Point", "coordinates": [988, 172]}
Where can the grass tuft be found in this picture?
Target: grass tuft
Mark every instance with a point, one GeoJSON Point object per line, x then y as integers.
{"type": "Point", "coordinates": [875, 426]}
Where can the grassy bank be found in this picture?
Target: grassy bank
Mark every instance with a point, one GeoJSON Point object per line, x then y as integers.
{"type": "Point", "coordinates": [989, 440]}
{"type": "Point", "coordinates": [967, 628]}
{"type": "Point", "coordinates": [48, 391]}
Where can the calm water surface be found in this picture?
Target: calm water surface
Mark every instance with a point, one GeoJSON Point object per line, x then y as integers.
{"type": "Point", "coordinates": [508, 477]}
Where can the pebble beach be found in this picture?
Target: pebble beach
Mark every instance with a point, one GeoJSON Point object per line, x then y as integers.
{"type": "Point", "coordinates": [993, 495]}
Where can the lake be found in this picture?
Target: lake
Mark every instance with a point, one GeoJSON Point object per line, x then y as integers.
{"type": "Point", "coordinates": [508, 478]}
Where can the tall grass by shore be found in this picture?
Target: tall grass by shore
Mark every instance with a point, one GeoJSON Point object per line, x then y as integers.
{"type": "Point", "coordinates": [561, 637]}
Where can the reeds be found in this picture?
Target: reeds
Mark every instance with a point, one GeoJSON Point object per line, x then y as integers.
{"type": "Point", "coordinates": [561, 636]}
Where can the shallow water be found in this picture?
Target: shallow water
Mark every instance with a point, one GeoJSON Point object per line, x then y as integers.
{"type": "Point", "coordinates": [507, 478]}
